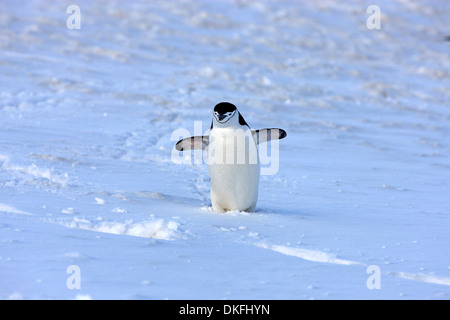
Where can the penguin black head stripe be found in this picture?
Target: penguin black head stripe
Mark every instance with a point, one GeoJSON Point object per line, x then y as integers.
{"type": "Point", "coordinates": [224, 107]}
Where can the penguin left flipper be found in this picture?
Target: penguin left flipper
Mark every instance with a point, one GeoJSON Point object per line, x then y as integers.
{"type": "Point", "coordinates": [192, 143]}
{"type": "Point", "coordinates": [264, 135]}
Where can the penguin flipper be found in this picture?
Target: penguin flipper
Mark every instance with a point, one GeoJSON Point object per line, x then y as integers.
{"type": "Point", "coordinates": [264, 135]}
{"type": "Point", "coordinates": [192, 143]}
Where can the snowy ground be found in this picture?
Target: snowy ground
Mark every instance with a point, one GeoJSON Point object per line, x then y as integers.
{"type": "Point", "coordinates": [86, 176]}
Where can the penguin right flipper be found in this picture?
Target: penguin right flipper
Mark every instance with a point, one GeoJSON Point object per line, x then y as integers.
{"type": "Point", "coordinates": [192, 143]}
{"type": "Point", "coordinates": [264, 135]}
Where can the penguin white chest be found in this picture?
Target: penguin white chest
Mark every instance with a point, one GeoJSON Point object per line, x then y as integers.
{"type": "Point", "coordinates": [234, 169]}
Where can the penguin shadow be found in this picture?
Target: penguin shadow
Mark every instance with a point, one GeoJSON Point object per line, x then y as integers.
{"type": "Point", "coordinates": [288, 212]}
{"type": "Point", "coordinates": [264, 210]}
{"type": "Point", "coordinates": [205, 204]}
{"type": "Point", "coordinates": [169, 198]}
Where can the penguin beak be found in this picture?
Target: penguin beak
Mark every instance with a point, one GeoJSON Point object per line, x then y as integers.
{"type": "Point", "coordinates": [221, 116]}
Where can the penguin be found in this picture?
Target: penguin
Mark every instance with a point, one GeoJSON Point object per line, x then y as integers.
{"type": "Point", "coordinates": [233, 162]}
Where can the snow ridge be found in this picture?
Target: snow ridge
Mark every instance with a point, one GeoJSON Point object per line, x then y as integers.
{"type": "Point", "coordinates": [306, 254]}
{"type": "Point", "coordinates": [154, 229]}
{"type": "Point", "coordinates": [46, 175]}
{"type": "Point", "coordinates": [8, 209]}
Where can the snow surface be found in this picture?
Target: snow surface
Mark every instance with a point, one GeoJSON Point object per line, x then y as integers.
{"type": "Point", "coordinates": [87, 179]}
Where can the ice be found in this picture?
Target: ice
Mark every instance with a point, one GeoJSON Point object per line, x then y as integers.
{"type": "Point", "coordinates": [87, 176]}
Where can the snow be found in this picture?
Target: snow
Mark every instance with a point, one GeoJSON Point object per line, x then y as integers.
{"type": "Point", "coordinates": [87, 177]}
{"type": "Point", "coordinates": [311, 255]}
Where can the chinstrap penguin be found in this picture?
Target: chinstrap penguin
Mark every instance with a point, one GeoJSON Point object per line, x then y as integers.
{"type": "Point", "coordinates": [233, 162]}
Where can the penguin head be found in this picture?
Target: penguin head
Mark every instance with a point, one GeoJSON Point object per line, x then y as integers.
{"type": "Point", "coordinates": [226, 114]}
{"type": "Point", "coordinates": [224, 111]}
